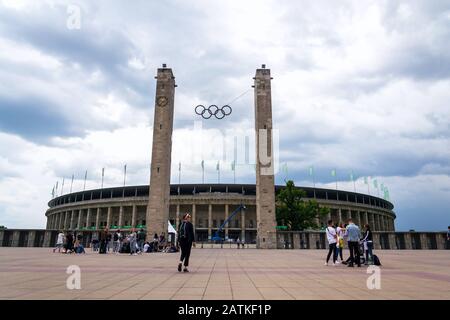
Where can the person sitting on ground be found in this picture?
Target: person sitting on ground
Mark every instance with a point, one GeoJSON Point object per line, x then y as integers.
{"type": "Point", "coordinates": [162, 241]}
{"type": "Point", "coordinates": [146, 247]}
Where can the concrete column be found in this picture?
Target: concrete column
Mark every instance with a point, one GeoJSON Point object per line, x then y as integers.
{"type": "Point", "coordinates": [120, 216]}
{"type": "Point", "coordinates": [296, 241]}
{"type": "Point", "coordinates": [408, 241]}
{"type": "Point", "coordinates": [133, 216]}
{"type": "Point", "coordinates": [72, 217]}
{"type": "Point", "coordinates": [366, 218]}
{"type": "Point", "coordinates": [349, 214]}
{"type": "Point", "coordinates": [47, 238]}
{"type": "Point", "coordinates": [209, 220]}
{"type": "Point", "coordinates": [177, 219]}
{"type": "Point", "coordinates": [392, 243]}
{"type": "Point", "coordinates": [227, 212]}
{"type": "Point", "coordinates": [66, 214]}
{"type": "Point", "coordinates": [1, 237]}
{"type": "Point", "coordinates": [194, 209]}
{"type": "Point", "coordinates": [97, 219]}
{"type": "Point", "coordinates": [108, 217]}
{"type": "Point", "coordinates": [31, 237]}
{"type": "Point", "coordinates": [80, 214]}
{"type": "Point", "coordinates": [15, 239]}
{"type": "Point", "coordinates": [328, 216]}
{"type": "Point", "coordinates": [340, 215]}
{"type": "Point", "coordinates": [88, 218]}
{"type": "Point", "coordinates": [243, 227]}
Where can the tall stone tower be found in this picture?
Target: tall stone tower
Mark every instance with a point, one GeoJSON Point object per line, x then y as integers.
{"type": "Point", "coordinates": [158, 201]}
{"type": "Point", "coordinates": [265, 184]}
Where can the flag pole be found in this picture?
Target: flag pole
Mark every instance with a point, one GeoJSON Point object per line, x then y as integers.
{"type": "Point", "coordinates": [124, 174]}
{"type": "Point", "coordinates": [179, 173]}
{"type": "Point", "coordinates": [203, 171]}
{"type": "Point", "coordinates": [103, 175]}
{"type": "Point", "coordinates": [85, 177]}
{"type": "Point", "coordinates": [62, 187]}
{"type": "Point", "coordinates": [71, 183]}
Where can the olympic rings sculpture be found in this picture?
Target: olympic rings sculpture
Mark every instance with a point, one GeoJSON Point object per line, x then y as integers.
{"type": "Point", "coordinates": [213, 110]}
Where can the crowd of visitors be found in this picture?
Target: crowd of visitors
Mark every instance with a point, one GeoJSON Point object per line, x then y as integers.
{"type": "Point", "coordinates": [358, 245]}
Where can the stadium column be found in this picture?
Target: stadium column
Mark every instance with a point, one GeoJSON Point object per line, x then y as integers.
{"type": "Point", "coordinates": [194, 209]}
{"type": "Point", "coordinates": [108, 217]}
{"type": "Point", "coordinates": [88, 218]}
{"type": "Point", "coordinates": [71, 219]}
{"type": "Point", "coordinates": [227, 210]}
{"type": "Point", "coordinates": [80, 214]}
{"type": "Point", "coordinates": [366, 218]}
{"type": "Point", "coordinates": [65, 219]}
{"type": "Point", "coordinates": [158, 201]}
{"type": "Point", "coordinates": [265, 186]}
{"type": "Point", "coordinates": [133, 216]}
{"type": "Point", "coordinates": [209, 221]}
{"type": "Point", "coordinates": [340, 215]}
{"type": "Point", "coordinates": [120, 216]}
{"type": "Point", "coordinates": [243, 225]}
{"type": "Point", "coordinates": [97, 219]}
{"type": "Point", "coordinates": [177, 219]}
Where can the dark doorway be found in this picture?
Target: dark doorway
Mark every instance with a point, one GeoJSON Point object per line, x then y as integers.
{"type": "Point", "coordinates": [7, 238]}
{"type": "Point", "coordinates": [400, 241]}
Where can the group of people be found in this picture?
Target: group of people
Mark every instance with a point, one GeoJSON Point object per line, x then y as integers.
{"type": "Point", "coordinates": [337, 236]}
{"type": "Point", "coordinates": [69, 244]}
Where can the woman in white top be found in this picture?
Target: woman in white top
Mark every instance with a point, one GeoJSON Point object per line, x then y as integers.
{"type": "Point", "coordinates": [332, 240]}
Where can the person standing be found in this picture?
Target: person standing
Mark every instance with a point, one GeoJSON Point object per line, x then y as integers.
{"type": "Point", "coordinates": [59, 242]}
{"type": "Point", "coordinates": [332, 240]}
{"type": "Point", "coordinates": [69, 242]}
{"type": "Point", "coordinates": [186, 239]}
{"type": "Point", "coordinates": [132, 240]}
{"type": "Point", "coordinates": [353, 243]}
{"type": "Point", "coordinates": [104, 234]}
{"type": "Point", "coordinates": [141, 237]}
{"type": "Point", "coordinates": [117, 239]}
{"type": "Point", "coordinates": [368, 244]}
{"type": "Point", "coordinates": [340, 242]}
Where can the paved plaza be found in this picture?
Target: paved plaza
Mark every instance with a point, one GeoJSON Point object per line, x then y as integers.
{"type": "Point", "coordinates": [37, 273]}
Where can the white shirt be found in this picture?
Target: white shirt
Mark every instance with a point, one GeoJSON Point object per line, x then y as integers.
{"type": "Point", "coordinates": [60, 238]}
{"type": "Point", "coordinates": [331, 235]}
{"type": "Point", "coordinates": [146, 246]}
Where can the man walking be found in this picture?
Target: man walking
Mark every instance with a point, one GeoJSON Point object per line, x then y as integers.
{"type": "Point", "coordinates": [354, 235]}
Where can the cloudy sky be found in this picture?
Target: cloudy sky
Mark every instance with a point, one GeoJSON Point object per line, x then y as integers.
{"type": "Point", "coordinates": [360, 86]}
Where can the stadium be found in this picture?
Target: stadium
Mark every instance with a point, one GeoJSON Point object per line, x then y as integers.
{"type": "Point", "coordinates": [210, 204]}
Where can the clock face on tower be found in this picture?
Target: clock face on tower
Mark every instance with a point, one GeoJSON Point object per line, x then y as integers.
{"type": "Point", "coordinates": [162, 101]}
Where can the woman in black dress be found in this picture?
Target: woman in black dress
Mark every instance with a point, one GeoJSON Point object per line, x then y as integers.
{"type": "Point", "coordinates": [186, 238]}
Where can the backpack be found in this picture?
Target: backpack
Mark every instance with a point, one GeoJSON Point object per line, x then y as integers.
{"type": "Point", "coordinates": [182, 230]}
{"type": "Point", "coordinates": [376, 260]}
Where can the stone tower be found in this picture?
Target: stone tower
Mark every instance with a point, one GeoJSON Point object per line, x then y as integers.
{"type": "Point", "coordinates": [265, 184]}
{"type": "Point", "coordinates": [158, 201]}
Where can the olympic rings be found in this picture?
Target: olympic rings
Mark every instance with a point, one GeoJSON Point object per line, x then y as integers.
{"type": "Point", "coordinates": [213, 110]}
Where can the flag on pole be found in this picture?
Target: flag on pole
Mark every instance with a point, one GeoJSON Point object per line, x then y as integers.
{"type": "Point", "coordinates": [351, 176]}
{"type": "Point", "coordinates": [179, 172]}
{"type": "Point", "coordinates": [233, 164]}
{"type": "Point", "coordinates": [311, 170]}
{"type": "Point", "coordinates": [203, 164]}
{"type": "Point", "coordinates": [56, 190]}
{"type": "Point", "coordinates": [375, 184]}
{"type": "Point", "coordinates": [53, 192]}
{"type": "Point", "coordinates": [333, 173]}
{"type": "Point", "coordinates": [365, 180]}
{"type": "Point", "coordinates": [218, 172]}
{"type": "Point", "coordinates": [103, 176]}
{"type": "Point", "coordinates": [217, 167]}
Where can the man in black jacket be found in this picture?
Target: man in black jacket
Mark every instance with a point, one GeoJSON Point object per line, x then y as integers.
{"type": "Point", "coordinates": [186, 238]}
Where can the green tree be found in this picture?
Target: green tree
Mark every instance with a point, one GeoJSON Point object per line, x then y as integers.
{"type": "Point", "coordinates": [296, 213]}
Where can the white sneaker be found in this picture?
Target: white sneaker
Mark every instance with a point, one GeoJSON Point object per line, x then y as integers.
{"type": "Point", "coordinates": [337, 262]}
{"type": "Point", "coordinates": [326, 263]}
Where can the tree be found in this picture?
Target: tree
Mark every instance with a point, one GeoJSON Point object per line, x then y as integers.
{"type": "Point", "coordinates": [296, 213]}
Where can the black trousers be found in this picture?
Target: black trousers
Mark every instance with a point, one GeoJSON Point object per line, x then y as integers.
{"type": "Point", "coordinates": [332, 250]}
{"type": "Point", "coordinates": [185, 246]}
{"type": "Point", "coordinates": [354, 252]}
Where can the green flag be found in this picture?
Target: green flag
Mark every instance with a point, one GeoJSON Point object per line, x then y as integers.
{"type": "Point", "coordinates": [203, 164]}
{"type": "Point", "coordinates": [311, 170]}
{"type": "Point", "coordinates": [351, 176]}
{"type": "Point", "coordinates": [375, 183]}
{"type": "Point", "coordinates": [333, 173]}
{"type": "Point", "coordinates": [232, 165]}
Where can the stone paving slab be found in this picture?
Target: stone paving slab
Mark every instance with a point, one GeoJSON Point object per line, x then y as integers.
{"type": "Point", "coordinates": [219, 274]}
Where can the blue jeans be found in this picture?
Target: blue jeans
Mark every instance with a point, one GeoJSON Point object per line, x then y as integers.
{"type": "Point", "coordinates": [369, 252]}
